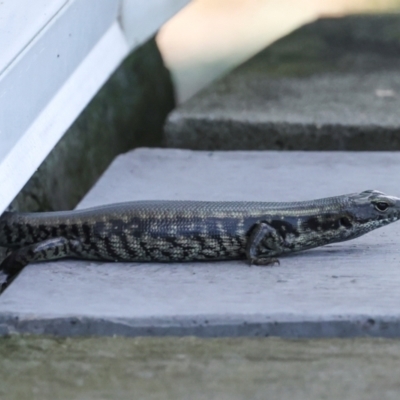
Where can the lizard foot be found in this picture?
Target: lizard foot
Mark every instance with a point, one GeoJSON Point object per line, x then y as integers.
{"type": "Point", "coordinates": [264, 261]}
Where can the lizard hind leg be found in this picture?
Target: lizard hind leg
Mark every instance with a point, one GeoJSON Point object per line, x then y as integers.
{"type": "Point", "coordinates": [15, 261]}
{"type": "Point", "coordinates": [261, 233]}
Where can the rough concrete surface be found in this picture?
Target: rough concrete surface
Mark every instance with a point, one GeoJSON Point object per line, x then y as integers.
{"type": "Point", "coordinates": [129, 111]}
{"type": "Point", "coordinates": [191, 368]}
{"type": "Point", "coordinates": [330, 85]}
{"type": "Point", "coordinates": [345, 289]}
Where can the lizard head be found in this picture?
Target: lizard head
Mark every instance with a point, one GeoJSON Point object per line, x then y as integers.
{"type": "Point", "coordinates": [372, 209]}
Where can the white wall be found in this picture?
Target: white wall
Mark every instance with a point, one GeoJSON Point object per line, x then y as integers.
{"type": "Point", "coordinates": [55, 55]}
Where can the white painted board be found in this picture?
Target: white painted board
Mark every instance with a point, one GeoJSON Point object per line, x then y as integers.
{"type": "Point", "coordinates": [20, 22]}
{"type": "Point", "coordinates": [42, 88]}
{"type": "Point", "coordinates": [55, 55]}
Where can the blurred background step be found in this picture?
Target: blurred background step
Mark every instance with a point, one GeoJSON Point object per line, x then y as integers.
{"type": "Point", "coordinates": [341, 290]}
{"type": "Point", "coordinates": [331, 85]}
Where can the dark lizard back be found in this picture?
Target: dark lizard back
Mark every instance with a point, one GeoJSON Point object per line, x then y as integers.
{"type": "Point", "coordinates": [158, 230]}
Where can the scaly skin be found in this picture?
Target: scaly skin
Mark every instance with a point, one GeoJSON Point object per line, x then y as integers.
{"type": "Point", "coordinates": [174, 231]}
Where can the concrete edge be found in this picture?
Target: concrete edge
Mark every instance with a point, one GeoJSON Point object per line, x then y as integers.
{"type": "Point", "coordinates": [279, 136]}
{"type": "Point", "coordinates": [204, 326]}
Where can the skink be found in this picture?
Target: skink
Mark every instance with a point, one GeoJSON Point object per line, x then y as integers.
{"type": "Point", "coordinates": [175, 231]}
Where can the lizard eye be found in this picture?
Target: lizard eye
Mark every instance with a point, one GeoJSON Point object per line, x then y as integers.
{"type": "Point", "coordinates": [381, 206]}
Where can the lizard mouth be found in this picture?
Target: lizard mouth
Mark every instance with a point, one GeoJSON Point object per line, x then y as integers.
{"type": "Point", "coordinates": [387, 219]}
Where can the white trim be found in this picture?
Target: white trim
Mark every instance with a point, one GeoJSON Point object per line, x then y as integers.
{"type": "Point", "coordinates": [53, 67]}
{"type": "Point", "coordinates": [33, 78]}
{"type": "Point", "coordinates": [20, 22]}
{"type": "Point", "coordinates": [42, 71]}
{"type": "Point", "coordinates": [44, 133]}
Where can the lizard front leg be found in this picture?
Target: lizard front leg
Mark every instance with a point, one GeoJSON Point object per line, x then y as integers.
{"type": "Point", "coordinates": [263, 239]}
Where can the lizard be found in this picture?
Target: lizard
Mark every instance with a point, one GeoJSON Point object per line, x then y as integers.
{"type": "Point", "coordinates": [178, 231]}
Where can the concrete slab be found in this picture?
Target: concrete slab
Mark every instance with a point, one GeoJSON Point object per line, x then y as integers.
{"type": "Point", "coordinates": [330, 85]}
{"type": "Point", "coordinates": [346, 289]}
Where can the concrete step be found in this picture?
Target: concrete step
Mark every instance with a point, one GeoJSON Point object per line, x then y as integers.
{"type": "Point", "coordinates": [345, 289]}
{"type": "Point", "coordinates": [330, 85]}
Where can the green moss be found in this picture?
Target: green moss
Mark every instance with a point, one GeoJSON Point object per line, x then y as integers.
{"type": "Point", "coordinates": [193, 368]}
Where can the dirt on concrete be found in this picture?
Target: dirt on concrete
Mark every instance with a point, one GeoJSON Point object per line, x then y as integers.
{"type": "Point", "coordinates": [192, 368]}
